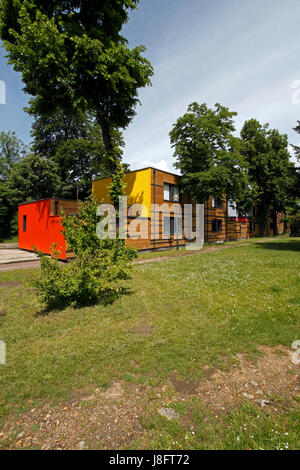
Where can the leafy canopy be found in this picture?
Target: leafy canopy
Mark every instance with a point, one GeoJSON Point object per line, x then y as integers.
{"type": "Point", "coordinates": [34, 177]}
{"type": "Point", "coordinates": [269, 166]}
{"type": "Point", "coordinates": [11, 151]}
{"type": "Point", "coordinates": [208, 154]}
{"type": "Point", "coordinates": [72, 56]}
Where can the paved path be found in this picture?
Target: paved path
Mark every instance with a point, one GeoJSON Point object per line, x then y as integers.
{"type": "Point", "coordinates": [8, 246]}
{"type": "Point", "coordinates": [14, 258]}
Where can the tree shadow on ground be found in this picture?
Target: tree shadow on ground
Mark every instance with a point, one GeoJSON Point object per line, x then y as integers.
{"type": "Point", "coordinates": [107, 299]}
{"type": "Point", "coordinates": [289, 245]}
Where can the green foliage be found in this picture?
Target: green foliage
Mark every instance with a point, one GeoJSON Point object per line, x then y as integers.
{"type": "Point", "coordinates": [51, 131]}
{"type": "Point", "coordinates": [94, 273]}
{"type": "Point", "coordinates": [270, 171]}
{"type": "Point", "coordinates": [34, 177]}
{"type": "Point", "coordinates": [208, 154]}
{"type": "Point", "coordinates": [297, 148]}
{"type": "Point", "coordinates": [74, 142]}
{"type": "Point", "coordinates": [72, 56]}
{"type": "Point", "coordinates": [11, 151]}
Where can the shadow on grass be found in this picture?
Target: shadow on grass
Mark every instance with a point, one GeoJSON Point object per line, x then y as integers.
{"type": "Point", "coordinates": [107, 298]}
{"type": "Point", "coordinates": [289, 245]}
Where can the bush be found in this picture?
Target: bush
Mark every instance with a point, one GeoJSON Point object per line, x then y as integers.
{"type": "Point", "coordinates": [93, 274]}
{"type": "Point", "coordinates": [294, 221]}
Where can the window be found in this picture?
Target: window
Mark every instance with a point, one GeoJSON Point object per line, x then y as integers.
{"type": "Point", "coordinates": [24, 223]}
{"type": "Point", "coordinates": [56, 203]}
{"type": "Point", "coordinates": [217, 203]}
{"type": "Point", "coordinates": [172, 226]}
{"type": "Point", "coordinates": [217, 225]}
{"type": "Point", "coordinates": [232, 210]}
{"type": "Point", "coordinates": [171, 192]}
{"type": "Point", "coordinates": [252, 226]}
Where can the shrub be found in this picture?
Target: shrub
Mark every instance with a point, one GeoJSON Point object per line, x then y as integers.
{"type": "Point", "coordinates": [94, 273]}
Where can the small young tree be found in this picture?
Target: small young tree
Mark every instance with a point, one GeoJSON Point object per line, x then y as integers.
{"type": "Point", "coordinates": [96, 271]}
{"type": "Point", "coordinates": [12, 150]}
{"type": "Point", "coordinates": [74, 142]}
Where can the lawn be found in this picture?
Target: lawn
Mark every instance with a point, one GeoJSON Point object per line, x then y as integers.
{"type": "Point", "coordinates": [181, 316]}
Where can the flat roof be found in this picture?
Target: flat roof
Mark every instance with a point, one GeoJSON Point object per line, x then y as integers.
{"type": "Point", "coordinates": [140, 169]}
{"type": "Point", "coordinates": [48, 199]}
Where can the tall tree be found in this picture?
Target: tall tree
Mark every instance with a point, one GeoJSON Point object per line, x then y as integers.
{"type": "Point", "coordinates": [208, 154]}
{"type": "Point", "coordinates": [72, 56]}
{"type": "Point", "coordinates": [270, 171]}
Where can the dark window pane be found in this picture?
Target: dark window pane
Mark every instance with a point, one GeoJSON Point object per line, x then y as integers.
{"type": "Point", "coordinates": [166, 227]}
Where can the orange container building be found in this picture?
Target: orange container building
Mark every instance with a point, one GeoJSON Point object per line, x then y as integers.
{"type": "Point", "coordinates": [40, 225]}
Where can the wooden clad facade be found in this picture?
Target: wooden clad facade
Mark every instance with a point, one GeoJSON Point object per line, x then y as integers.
{"type": "Point", "coordinates": [148, 186]}
{"type": "Point", "coordinates": [152, 223]}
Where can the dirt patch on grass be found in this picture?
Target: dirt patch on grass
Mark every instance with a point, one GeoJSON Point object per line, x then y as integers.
{"type": "Point", "coordinates": [104, 420]}
{"type": "Point", "coordinates": [259, 382]}
{"type": "Point", "coordinates": [111, 418]}
{"type": "Point", "coordinates": [183, 386]}
{"type": "Point", "coordinates": [3, 313]}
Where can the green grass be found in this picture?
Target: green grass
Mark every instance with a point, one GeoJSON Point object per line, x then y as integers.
{"type": "Point", "coordinates": [203, 309]}
{"type": "Point", "coordinates": [10, 239]}
{"type": "Point", "coordinates": [246, 427]}
{"type": "Point", "coordinates": [173, 251]}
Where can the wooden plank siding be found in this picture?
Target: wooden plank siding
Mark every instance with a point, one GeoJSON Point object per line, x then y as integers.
{"type": "Point", "coordinates": [68, 206]}
{"type": "Point", "coordinates": [158, 178]}
{"type": "Point", "coordinates": [140, 180]}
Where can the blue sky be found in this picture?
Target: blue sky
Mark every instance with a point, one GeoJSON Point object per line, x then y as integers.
{"type": "Point", "coordinates": [243, 54]}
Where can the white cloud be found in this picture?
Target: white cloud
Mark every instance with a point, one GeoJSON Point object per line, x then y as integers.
{"type": "Point", "coordinates": [161, 165]}
{"type": "Point", "coordinates": [240, 54]}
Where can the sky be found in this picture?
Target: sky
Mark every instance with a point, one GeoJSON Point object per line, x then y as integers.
{"type": "Point", "coordinates": [243, 54]}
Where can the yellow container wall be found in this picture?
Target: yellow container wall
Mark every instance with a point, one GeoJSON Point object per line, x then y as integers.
{"type": "Point", "coordinates": [138, 189]}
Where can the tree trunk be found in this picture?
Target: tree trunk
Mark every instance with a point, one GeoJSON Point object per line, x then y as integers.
{"type": "Point", "coordinates": [262, 229]}
{"type": "Point", "coordinates": [107, 140]}
{"type": "Point", "coordinates": [275, 225]}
